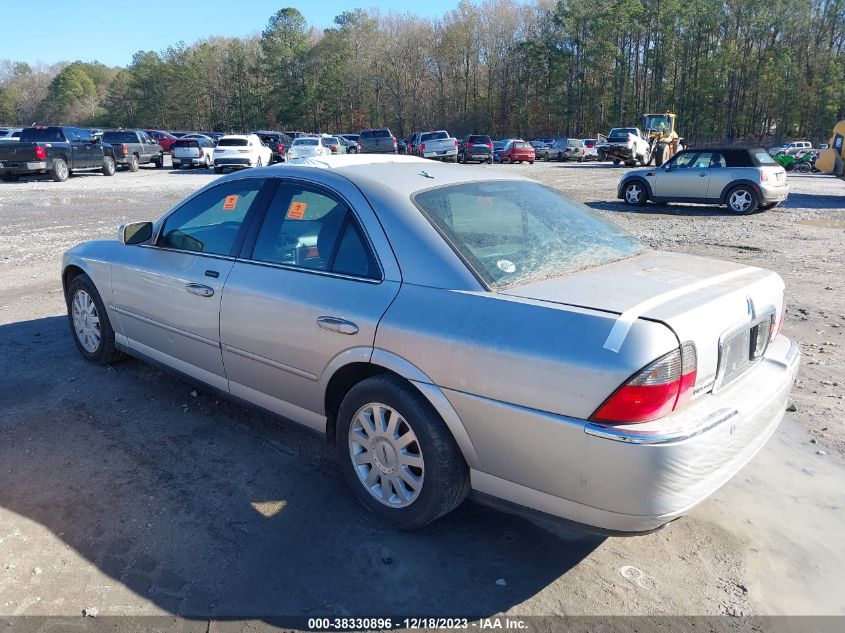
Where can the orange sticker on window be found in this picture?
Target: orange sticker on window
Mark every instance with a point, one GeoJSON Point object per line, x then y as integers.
{"type": "Point", "coordinates": [230, 203]}
{"type": "Point", "coordinates": [296, 211]}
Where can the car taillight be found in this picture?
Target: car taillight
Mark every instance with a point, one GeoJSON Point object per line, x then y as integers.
{"type": "Point", "coordinates": [763, 176]}
{"type": "Point", "coordinates": [456, 142]}
{"type": "Point", "coordinates": [422, 147]}
{"type": "Point", "coordinates": [394, 141]}
{"type": "Point", "coordinates": [654, 392]}
{"type": "Point", "coordinates": [470, 144]}
{"type": "Point", "coordinates": [281, 149]}
{"type": "Point", "coordinates": [123, 149]}
{"type": "Point", "coordinates": [40, 152]}
{"type": "Point", "coordinates": [490, 145]}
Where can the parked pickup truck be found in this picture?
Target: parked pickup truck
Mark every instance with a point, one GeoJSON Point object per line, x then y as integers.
{"type": "Point", "coordinates": [437, 145]}
{"type": "Point", "coordinates": [55, 150]}
{"type": "Point", "coordinates": [625, 145]}
{"type": "Point", "coordinates": [133, 148]}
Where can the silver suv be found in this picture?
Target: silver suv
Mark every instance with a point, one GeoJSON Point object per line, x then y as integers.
{"type": "Point", "coordinates": [744, 180]}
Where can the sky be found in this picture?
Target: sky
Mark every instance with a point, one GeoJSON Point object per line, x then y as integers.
{"type": "Point", "coordinates": [111, 32]}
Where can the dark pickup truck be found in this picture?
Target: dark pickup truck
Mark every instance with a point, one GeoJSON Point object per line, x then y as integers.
{"type": "Point", "coordinates": [55, 150]}
{"type": "Point", "coordinates": [133, 148]}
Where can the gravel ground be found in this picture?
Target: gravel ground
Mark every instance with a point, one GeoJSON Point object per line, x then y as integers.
{"type": "Point", "coordinates": [130, 491]}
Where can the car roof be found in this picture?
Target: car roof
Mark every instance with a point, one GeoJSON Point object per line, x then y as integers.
{"type": "Point", "coordinates": [240, 136]}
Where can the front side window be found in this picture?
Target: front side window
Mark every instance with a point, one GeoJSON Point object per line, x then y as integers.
{"type": "Point", "coordinates": [309, 228]}
{"type": "Point", "coordinates": [211, 222]}
{"type": "Point", "coordinates": [512, 232]}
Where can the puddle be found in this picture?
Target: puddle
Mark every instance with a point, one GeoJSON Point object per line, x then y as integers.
{"type": "Point", "coordinates": [788, 507]}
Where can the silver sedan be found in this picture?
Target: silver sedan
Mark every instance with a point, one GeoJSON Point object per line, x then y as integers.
{"type": "Point", "coordinates": [452, 330]}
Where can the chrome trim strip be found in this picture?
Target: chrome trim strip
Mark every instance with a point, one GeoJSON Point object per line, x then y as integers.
{"type": "Point", "coordinates": [164, 326]}
{"type": "Point", "coordinates": [269, 362]}
{"type": "Point", "coordinates": [631, 436]}
{"type": "Point", "coordinates": [310, 271]}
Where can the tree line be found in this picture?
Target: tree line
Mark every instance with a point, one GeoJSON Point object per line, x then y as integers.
{"type": "Point", "coordinates": [731, 69]}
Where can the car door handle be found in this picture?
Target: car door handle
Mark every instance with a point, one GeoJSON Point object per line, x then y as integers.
{"type": "Point", "coordinates": [335, 324]}
{"type": "Point", "coordinates": [703, 174]}
{"type": "Point", "coordinates": [200, 290]}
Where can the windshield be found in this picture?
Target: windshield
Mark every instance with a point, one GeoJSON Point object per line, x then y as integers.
{"type": "Point", "coordinates": [305, 141]}
{"type": "Point", "coordinates": [513, 232]}
{"type": "Point", "coordinates": [232, 142]}
{"type": "Point", "coordinates": [659, 122]}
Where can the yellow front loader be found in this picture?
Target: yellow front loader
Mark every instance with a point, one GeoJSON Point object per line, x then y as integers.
{"type": "Point", "coordinates": [832, 159]}
{"type": "Point", "coordinates": [663, 138]}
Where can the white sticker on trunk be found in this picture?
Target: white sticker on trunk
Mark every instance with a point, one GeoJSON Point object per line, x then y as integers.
{"type": "Point", "coordinates": [506, 266]}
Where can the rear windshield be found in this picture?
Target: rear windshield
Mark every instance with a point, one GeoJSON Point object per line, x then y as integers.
{"type": "Point", "coordinates": [305, 141]}
{"type": "Point", "coordinates": [120, 137]}
{"type": "Point", "coordinates": [232, 142]}
{"type": "Point", "coordinates": [42, 135]}
{"type": "Point", "coordinates": [479, 139]}
{"type": "Point", "coordinates": [188, 142]}
{"type": "Point", "coordinates": [433, 136]}
{"type": "Point", "coordinates": [385, 133]}
{"type": "Point", "coordinates": [330, 140]}
{"type": "Point", "coordinates": [512, 232]}
{"type": "Point", "coordinates": [521, 145]}
{"type": "Point", "coordinates": [622, 132]}
{"type": "Point", "coordinates": [589, 142]}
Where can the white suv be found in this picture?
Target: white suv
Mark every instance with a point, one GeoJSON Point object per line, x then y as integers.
{"type": "Point", "coordinates": [791, 148]}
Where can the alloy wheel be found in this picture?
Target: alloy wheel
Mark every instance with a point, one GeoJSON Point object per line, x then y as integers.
{"type": "Point", "coordinates": [386, 455]}
{"type": "Point", "coordinates": [633, 194]}
{"type": "Point", "coordinates": [740, 200]}
{"type": "Point", "coordinates": [86, 321]}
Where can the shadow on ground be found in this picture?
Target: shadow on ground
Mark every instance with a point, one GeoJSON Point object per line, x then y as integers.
{"type": "Point", "coordinates": [207, 509]}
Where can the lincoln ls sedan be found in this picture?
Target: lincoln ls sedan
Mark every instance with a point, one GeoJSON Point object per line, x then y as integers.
{"type": "Point", "coordinates": [452, 331]}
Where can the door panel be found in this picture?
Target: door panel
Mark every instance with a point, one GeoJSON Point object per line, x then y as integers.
{"type": "Point", "coordinates": [272, 339]}
{"type": "Point", "coordinates": [689, 177]}
{"type": "Point", "coordinates": [309, 289]}
{"type": "Point", "coordinates": [168, 295]}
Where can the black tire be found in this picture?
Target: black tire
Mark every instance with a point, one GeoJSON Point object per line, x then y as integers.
{"type": "Point", "coordinates": [108, 166]}
{"type": "Point", "coordinates": [9, 177]}
{"type": "Point", "coordinates": [107, 352]}
{"type": "Point", "coordinates": [747, 195]}
{"type": "Point", "coordinates": [634, 194]}
{"type": "Point", "coordinates": [134, 165]}
{"type": "Point", "coordinates": [159, 161]}
{"type": "Point", "coordinates": [530, 162]}
{"type": "Point", "coordinates": [660, 155]}
{"type": "Point", "coordinates": [446, 480]}
{"type": "Point", "coordinates": [560, 156]}
{"type": "Point", "coordinates": [616, 161]}
{"type": "Point", "coordinates": [59, 171]}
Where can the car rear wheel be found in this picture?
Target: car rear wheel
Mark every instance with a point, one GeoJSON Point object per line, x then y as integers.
{"type": "Point", "coordinates": [616, 161]}
{"type": "Point", "coordinates": [397, 454]}
{"type": "Point", "coordinates": [133, 163]}
{"type": "Point", "coordinates": [159, 161]}
{"type": "Point", "coordinates": [89, 322]}
{"type": "Point", "coordinates": [634, 194]}
{"type": "Point", "coordinates": [108, 166]}
{"type": "Point", "coordinates": [59, 171]}
{"type": "Point", "coordinates": [742, 200]}
{"type": "Point", "coordinates": [9, 177]}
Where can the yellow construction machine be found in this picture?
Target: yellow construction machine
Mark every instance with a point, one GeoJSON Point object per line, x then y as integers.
{"type": "Point", "coordinates": [663, 138]}
{"type": "Point", "coordinates": [831, 160]}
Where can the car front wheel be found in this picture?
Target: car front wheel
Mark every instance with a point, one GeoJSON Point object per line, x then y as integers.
{"type": "Point", "coordinates": [634, 194]}
{"type": "Point", "coordinates": [89, 322]}
{"type": "Point", "coordinates": [397, 454]}
{"type": "Point", "coordinates": [742, 200]}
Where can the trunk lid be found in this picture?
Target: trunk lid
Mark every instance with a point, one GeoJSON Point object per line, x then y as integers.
{"type": "Point", "coordinates": [701, 300]}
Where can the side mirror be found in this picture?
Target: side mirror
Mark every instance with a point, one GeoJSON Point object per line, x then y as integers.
{"type": "Point", "coordinates": [135, 233]}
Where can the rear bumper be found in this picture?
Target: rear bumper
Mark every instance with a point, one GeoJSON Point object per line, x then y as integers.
{"type": "Point", "coordinates": [232, 162]}
{"type": "Point", "coordinates": [20, 168]}
{"type": "Point", "coordinates": [179, 161]}
{"type": "Point", "coordinates": [631, 478]}
{"type": "Point", "coordinates": [378, 150]}
{"type": "Point", "coordinates": [770, 193]}
{"type": "Point", "coordinates": [444, 153]}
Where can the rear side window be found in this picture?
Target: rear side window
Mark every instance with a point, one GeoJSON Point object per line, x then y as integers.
{"type": "Point", "coordinates": [309, 228]}
{"type": "Point", "coordinates": [232, 142]}
{"type": "Point", "coordinates": [212, 221]}
{"type": "Point", "coordinates": [763, 158]}
{"type": "Point", "coordinates": [512, 232]}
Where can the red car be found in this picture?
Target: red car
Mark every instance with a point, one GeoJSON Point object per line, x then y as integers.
{"type": "Point", "coordinates": [518, 151]}
{"type": "Point", "coordinates": [165, 139]}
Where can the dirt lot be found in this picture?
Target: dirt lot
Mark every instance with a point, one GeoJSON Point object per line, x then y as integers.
{"type": "Point", "coordinates": [130, 491]}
